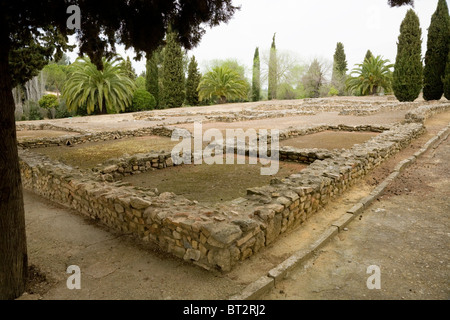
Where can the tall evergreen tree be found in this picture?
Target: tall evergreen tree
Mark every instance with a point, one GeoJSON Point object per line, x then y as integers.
{"type": "Point", "coordinates": [408, 69]}
{"type": "Point", "coordinates": [256, 80]}
{"type": "Point", "coordinates": [339, 68]}
{"type": "Point", "coordinates": [192, 82]}
{"type": "Point", "coordinates": [369, 55]}
{"type": "Point", "coordinates": [173, 93]}
{"type": "Point", "coordinates": [447, 78]}
{"type": "Point", "coordinates": [152, 75]}
{"type": "Point", "coordinates": [273, 71]}
{"type": "Point", "coordinates": [437, 52]}
{"type": "Point", "coordinates": [131, 73]}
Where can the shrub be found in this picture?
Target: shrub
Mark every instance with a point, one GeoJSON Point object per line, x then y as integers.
{"type": "Point", "coordinates": [142, 100]}
{"type": "Point", "coordinates": [333, 91]}
{"type": "Point", "coordinates": [62, 111]}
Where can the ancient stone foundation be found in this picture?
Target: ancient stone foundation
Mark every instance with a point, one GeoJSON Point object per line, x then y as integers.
{"type": "Point", "coordinates": [214, 237]}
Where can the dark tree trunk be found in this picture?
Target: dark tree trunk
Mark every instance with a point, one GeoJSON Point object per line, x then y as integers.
{"type": "Point", "coordinates": [13, 248]}
{"type": "Point", "coordinates": [223, 100]}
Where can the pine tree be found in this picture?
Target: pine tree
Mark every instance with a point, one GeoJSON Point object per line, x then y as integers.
{"type": "Point", "coordinates": [273, 71]}
{"type": "Point", "coordinates": [172, 74]}
{"type": "Point", "coordinates": [408, 72]}
{"type": "Point", "coordinates": [369, 55]}
{"type": "Point", "coordinates": [339, 68]}
{"type": "Point", "coordinates": [437, 52]}
{"type": "Point", "coordinates": [447, 78]}
{"type": "Point", "coordinates": [256, 82]}
{"type": "Point", "coordinates": [192, 82]}
{"type": "Point", "coordinates": [152, 76]}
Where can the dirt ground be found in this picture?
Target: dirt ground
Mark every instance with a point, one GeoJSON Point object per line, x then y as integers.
{"type": "Point", "coordinates": [406, 233]}
{"type": "Point", "coordinates": [224, 182]}
{"type": "Point", "coordinates": [329, 140]}
{"type": "Point", "coordinates": [115, 266]}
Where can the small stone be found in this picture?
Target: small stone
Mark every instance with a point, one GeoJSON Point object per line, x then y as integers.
{"type": "Point", "coordinates": [119, 208]}
{"type": "Point", "coordinates": [192, 254]}
{"type": "Point", "coordinates": [139, 203]}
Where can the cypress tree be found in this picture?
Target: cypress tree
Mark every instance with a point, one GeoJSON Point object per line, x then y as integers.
{"type": "Point", "coordinates": [447, 78]}
{"type": "Point", "coordinates": [368, 55]}
{"type": "Point", "coordinates": [339, 68]}
{"type": "Point", "coordinates": [273, 70]}
{"type": "Point", "coordinates": [256, 82]}
{"type": "Point", "coordinates": [131, 73]}
{"type": "Point", "coordinates": [408, 72]}
{"type": "Point", "coordinates": [172, 74]}
{"type": "Point", "coordinates": [192, 82]}
{"type": "Point", "coordinates": [152, 76]}
{"type": "Point", "coordinates": [437, 52]}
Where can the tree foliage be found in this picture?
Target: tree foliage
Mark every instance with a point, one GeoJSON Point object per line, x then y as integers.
{"type": "Point", "coordinates": [142, 101]}
{"type": "Point", "coordinates": [131, 73]}
{"type": "Point", "coordinates": [446, 80]}
{"type": "Point", "coordinates": [55, 76]}
{"type": "Point", "coordinates": [49, 101]}
{"type": "Point", "coordinates": [192, 82]}
{"type": "Point", "coordinates": [273, 72]}
{"type": "Point", "coordinates": [152, 74]}
{"type": "Point", "coordinates": [173, 87]}
{"type": "Point", "coordinates": [368, 55]}
{"type": "Point", "coordinates": [223, 84]}
{"type": "Point", "coordinates": [370, 77]}
{"type": "Point", "coordinates": [408, 69]}
{"type": "Point", "coordinates": [399, 3]}
{"type": "Point", "coordinates": [256, 77]}
{"type": "Point", "coordinates": [339, 69]}
{"type": "Point", "coordinates": [102, 91]}
{"type": "Point", "coordinates": [314, 79]}
{"type": "Point", "coordinates": [437, 52]}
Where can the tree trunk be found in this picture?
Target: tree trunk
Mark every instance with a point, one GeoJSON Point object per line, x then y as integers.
{"type": "Point", "coordinates": [13, 249]}
{"type": "Point", "coordinates": [223, 100]}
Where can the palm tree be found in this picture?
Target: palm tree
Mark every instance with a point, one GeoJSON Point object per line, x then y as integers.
{"type": "Point", "coordinates": [107, 91]}
{"type": "Point", "coordinates": [371, 76]}
{"type": "Point", "coordinates": [222, 83]}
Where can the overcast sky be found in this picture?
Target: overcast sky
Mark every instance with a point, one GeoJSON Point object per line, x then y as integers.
{"type": "Point", "coordinates": [308, 29]}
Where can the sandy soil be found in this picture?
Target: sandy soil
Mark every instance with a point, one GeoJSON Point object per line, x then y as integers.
{"type": "Point", "coordinates": [329, 140]}
{"type": "Point", "coordinates": [211, 184]}
{"type": "Point", "coordinates": [405, 233]}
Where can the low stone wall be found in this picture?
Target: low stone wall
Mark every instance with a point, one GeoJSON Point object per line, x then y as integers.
{"type": "Point", "coordinates": [426, 111]}
{"type": "Point", "coordinates": [214, 237]}
{"type": "Point", "coordinates": [87, 137]}
{"type": "Point", "coordinates": [116, 169]}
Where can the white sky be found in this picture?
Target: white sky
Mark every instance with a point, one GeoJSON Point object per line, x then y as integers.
{"type": "Point", "coordinates": [307, 28]}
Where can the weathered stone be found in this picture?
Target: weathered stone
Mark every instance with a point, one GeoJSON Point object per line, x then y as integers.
{"type": "Point", "coordinates": [224, 233]}
{"type": "Point", "coordinates": [192, 254]}
{"type": "Point", "coordinates": [221, 258]}
{"type": "Point", "coordinates": [139, 203]}
{"type": "Point", "coordinates": [110, 169]}
{"type": "Point", "coordinates": [273, 229]}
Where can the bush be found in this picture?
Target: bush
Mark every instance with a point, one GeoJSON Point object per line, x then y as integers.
{"type": "Point", "coordinates": [62, 111]}
{"type": "Point", "coordinates": [333, 92]}
{"type": "Point", "coordinates": [35, 112]}
{"type": "Point", "coordinates": [142, 100]}
{"type": "Point", "coordinates": [49, 101]}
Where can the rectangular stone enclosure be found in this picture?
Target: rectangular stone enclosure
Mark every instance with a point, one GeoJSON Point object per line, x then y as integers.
{"type": "Point", "coordinates": [213, 235]}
